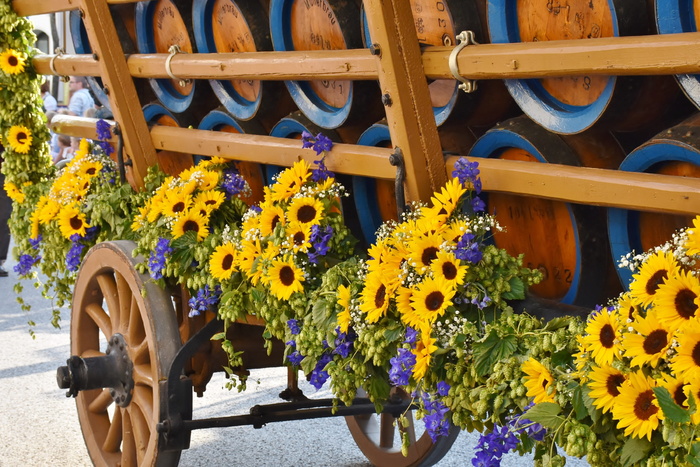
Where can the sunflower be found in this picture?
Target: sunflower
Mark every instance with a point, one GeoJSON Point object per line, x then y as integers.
{"type": "Point", "coordinates": [47, 209]}
{"type": "Point", "coordinates": [222, 261]}
{"type": "Point", "coordinates": [176, 203]}
{"type": "Point", "coordinates": [654, 271]}
{"type": "Point", "coordinates": [210, 199]}
{"type": "Point", "coordinates": [686, 363]}
{"type": "Point", "coordinates": [385, 261]}
{"type": "Point", "coordinates": [647, 341]}
{"type": "Point", "coordinates": [140, 219]}
{"type": "Point", "coordinates": [289, 182]}
{"type": "Point", "coordinates": [83, 150]}
{"type": "Point", "coordinates": [605, 386]}
{"type": "Point", "coordinates": [306, 210]}
{"type": "Point", "coordinates": [299, 236]}
{"type": "Point", "coordinates": [71, 221]}
{"type": "Point", "coordinates": [19, 138]}
{"type": "Point", "coordinates": [14, 193]}
{"type": "Point", "coordinates": [692, 388]}
{"type": "Point", "coordinates": [538, 381]}
{"type": "Point", "coordinates": [423, 352]}
{"type": "Point", "coordinates": [693, 241]}
{"type": "Point", "coordinates": [677, 299]}
{"type": "Point", "coordinates": [374, 299]}
{"type": "Point", "coordinates": [344, 316]}
{"type": "Point", "coordinates": [213, 161]}
{"type": "Point", "coordinates": [447, 267]}
{"type": "Point", "coordinates": [285, 278]}
{"type": "Point", "coordinates": [677, 388]}
{"type": "Point", "coordinates": [629, 307]}
{"type": "Point", "coordinates": [205, 179]}
{"type": "Point", "coordinates": [12, 62]}
{"type": "Point", "coordinates": [34, 219]}
{"type": "Point", "coordinates": [247, 260]}
{"type": "Point", "coordinates": [270, 216]}
{"type": "Point", "coordinates": [636, 408]}
{"type": "Point", "coordinates": [190, 221]}
{"type": "Point", "coordinates": [603, 336]}
{"type": "Point", "coordinates": [423, 250]}
{"type": "Point", "coordinates": [431, 298]}
{"type": "Point", "coordinates": [445, 202]}
{"type": "Point", "coordinates": [455, 230]}
{"type": "Point", "coordinates": [89, 169]}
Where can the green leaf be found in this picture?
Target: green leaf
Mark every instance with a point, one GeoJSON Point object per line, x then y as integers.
{"type": "Point", "coordinates": [321, 313]}
{"type": "Point", "coordinates": [562, 358]}
{"type": "Point", "coordinates": [672, 411]}
{"type": "Point", "coordinates": [693, 456]}
{"type": "Point", "coordinates": [392, 335]}
{"type": "Point", "coordinates": [491, 350]}
{"type": "Point", "coordinates": [634, 450]}
{"type": "Point", "coordinates": [557, 323]}
{"type": "Point", "coordinates": [579, 404]}
{"type": "Point", "coordinates": [546, 414]}
{"type": "Point", "coordinates": [517, 289]}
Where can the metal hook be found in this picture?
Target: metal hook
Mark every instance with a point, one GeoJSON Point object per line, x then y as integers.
{"type": "Point", "coordinates": [174, 50]}
{"type": "Point", "coordinates": [464, 39]}
{"type": "Point", "coordinates": [396, 160]}
{"type": "Point", "coordinates": [58, 52]}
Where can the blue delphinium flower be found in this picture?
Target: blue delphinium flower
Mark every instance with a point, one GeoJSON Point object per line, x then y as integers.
{"type": "Point", "coordinates": [156, 263]}
{"type": "Point", "coordinates": [294, 326]}
{"type": "Point", "coordinates": [307, 140]}
{"type": "Point", "coordinates": [401, 367]}
{"type": "Point", "coordinates": [204, 300]}
{"type": "Point", "coordinates": [443, 388]}
{"type": "Point", "coordinates": [35, 242]}
{"type": "Point", "coordinates": [411, 336]}
{"type": "Point", "coordinates": [75, 252]}
{"type": "Point", "coordinates": [344, 342]}
{"type": "Point", "coordinates": [319, 376]}
{"type": "Point", "coordinates": [478, 204]}
{"type": "Point", "coordinates": [318, 143]}
{"type": "Point", "coordinates": [104, 133]}
{"type": "Point", "coordinates": [295, 357]}
{"type": "Point", "coordinates": [467, 172]}
{"type": "Point", "coordinates": [481, 304]}
{"type": "Point", "coordinates": [436, 421]}
{"type": "Point", "coordinates": [25, 263]}
{"type": "Point", "coordinates": [467, 249]}
{"type": "Point", "coordinates": [503, 439]}
{"type": "Point", "coordinates": [319, 240]}
{"type": "Point", "coordinates": [521, 425]}
{"type": "Point", "coordinates": [232, 182]}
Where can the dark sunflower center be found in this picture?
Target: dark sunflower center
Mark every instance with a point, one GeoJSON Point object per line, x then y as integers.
{"type": "Point", "coordinates": [644, 409]}
{"type": "Point", "coordinates": [685, 303]}
{"type": "Point", "coordinates": [696, 354]}
{"type": "Point", "coordinates": [227, 262]}
{"type": "Point", "coordinates": [191, 226]}
{"type": "Point", "coordinates": [179, 206]}
{"type": "Point", "coordinates": [655, 341]}
{"type": "Point", "coordinates": [12, 60]}
{"type": "Point", "coordinates": [545, 383]}
{"type": "Point", "coordinates": [21, 137]}
{"type": "Point", "coordinates": [429, 254]}
{"type": "Point", "coordinates": [299, 238]}
{"type": "Point", "coordinates": [613, 384]}
{"type": "Point", "coordinates": [286, 276]}
{"type": "Point", "coordinates": [630, 313]}
{"type": "Point", "coordinates": [607, 336]}
{"type": "Point", "coordinates": [449, 270]}
{"type": "Point", "coordinates": [679, 396]}
{"type": "Point", "coordinates": [210, 201]}
{"type": "Point", "coordinates": [76, 223]}
{"type": "Point", "coordinates": [442, 211]}
{"type": "Point", "coordinates": [434, 300]}
{"type": "Point", "coordinates": [656, 280]}
{"type": "Point", "coordinates": [306, 213]}
{"type": "Point", "coordinates": [91, 171]}
{"type": "Point", "coordinates": [380, 296]}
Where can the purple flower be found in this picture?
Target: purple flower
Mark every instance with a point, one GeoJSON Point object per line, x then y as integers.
{"type": "Point", "coordinates": [401, 367]}
{"type": "Point", "coordinates": [436, 422]}
{"type": "Point", "coordinates": [91, 232]}
{"type": "Point", "coordinates": [318, 375]}
{"type": "Point", "coordinates": [295, 358]}
{"type": "Point", "coordinates": [74, 254]}
{"type": "Point", "coordinates": [411, 336]}
{"type": "Point", "coordinates": [318, 143]}
{"type": "Point", "coordinates": [478, 204]}
{"type": "Point", "coordinates": [34, 242]}
{"type": "Point", "coordinates": [294, 326]}
{"type": "Point", "coordinates": [156, 263]}
{"type": "Point", "coordinates": [321, 173]}
{"type": "Point", "coordinates": [232, 182]}
{"type": "Point", "coordinates": [467, 172]}
{"type": "Point", "coordinates": [319, 240]}
{"type": "Point", "coordinates": [204, 300]}
{"type": "Point", "coordinates": [467, 249]}
{"type": "Point", "coordinates": [307, 140]}
{"type": "Point", "coordinates": [481, 304]}
{"type": "Point", "coordinates": [443, 388]}
{"type": "Point", "coordinates": [24, 266]}
{"type": "Point", "coordinates": [103, 130]}
{"type": "Point", "coordinates": [344, 343]}
{"type": "Point", "coordinates": [492, 446]}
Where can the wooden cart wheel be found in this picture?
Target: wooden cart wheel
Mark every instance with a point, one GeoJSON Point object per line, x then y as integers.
{"type": "Point", "coordinates": [379, 439]}
{"type": "Point", "coordinates": [112, 302]}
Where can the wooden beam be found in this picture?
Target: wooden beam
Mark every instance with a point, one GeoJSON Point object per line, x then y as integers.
{"type": "Point", "coordinates": [122, 93]}
{"type": "Point", "coordinates": [67, 65]}
{"type": "Point", "coordinates": [405, 95]}
{"type": "Point", "coordinates": [42, 7]}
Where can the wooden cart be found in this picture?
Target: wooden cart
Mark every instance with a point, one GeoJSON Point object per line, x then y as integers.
{"type": "Point", "coordinates": [131, 348]}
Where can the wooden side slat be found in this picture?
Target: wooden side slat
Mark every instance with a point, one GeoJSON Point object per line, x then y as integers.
{"type": "Point", "coordinates": [42, 7]}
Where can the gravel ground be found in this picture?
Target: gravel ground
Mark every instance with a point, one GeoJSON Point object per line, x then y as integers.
{"type": "Point", "coordinates": [39, 425]}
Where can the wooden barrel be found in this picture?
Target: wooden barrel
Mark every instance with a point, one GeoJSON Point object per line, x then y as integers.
{"type": "Point", "coordinates": [437, 24]}
{"type": "Point", "coordinates": [170, 162]}
{"type": "Point", "coordinates": [325, 25]}
{"type": "Point", "coordinates": [569, 105]}
{"type": "Point", "coordinates": [675, 151]}
{"type": "Point", "coordinates": [220, 120]}
{"type": "Point", "coordinates": [675, 16]}
{"type": "Point", "coordinates": [161, 24]}
{"type": "Point", "coordinates": [225, 26]}
{"type": "Point", "coordinates": [566, 242]}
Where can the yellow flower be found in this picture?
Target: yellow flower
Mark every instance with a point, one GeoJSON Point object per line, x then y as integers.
{"type": "Point", "coordinates": [89, 169]}
{"type": "Point", "coordinates": [305, 210]}
{"type": "Point", "coordinates": [248, 260]}
{"type": "Point", "coordinates": [222, 261]}
{"type": "Point", "coordinates": [538, 381]}
{"type": "Point", "coordinates": [374, 299]}
{"type": "Point", "coordinates": [431, 298]}
{"type": "Point", "coordinates": [35, 224]}
{"type": "Point", "coordinates": [270, 216]}
{"type": "Point", "coordinates": [447, 200]}
{"type": "Point", "coordinates": [299, 235]}
{"type": "Point", "coordinates": [455, 230]}
{"type": "Point", "coordinates": [71, 221]}
{"type": "Point", "coordinates": [636, 408]}
{"type": "Point", "coordinates": [19, 138]}
{"type": "Point", "coordinates": [190, 221]}
{"type": "Point", "coordinates": [344, 317]}
{"type": "Point", "coordinates": [210, 199]}
{"type": "Point", "coordinates": [449, 268]}
{"type": "Point", "coordinates": [14, 193]}
{"type": "Point", "coordinates": [423, 352]}
{"type": "Point", "coordinates": [677, 388]}
{"type": "Point", "coordinates": [603, 336]}
{"type": "Point", "coordinates": [285, 278]}
{"type": "Point", "coordinates": [140, 219]}
{"type": "Point", "coordinates": [686, 363]}
{"type": "Point", "coordinates": [214, 160]}
{"type": "Point", "coordinates": [691, 388]}
{"type": "Point", "coordinates": [176, 203]}
{"type": "Point", "coordinates": [83, 150]}
{"type": "Point", "coordinates": [290, 181]}
{"type": "Point", "coordinates": [677, 300]}
{"type": "Point", "coordinates": [654, 271]}
{"type": "Point", "coordinates": [12, 62]}
{"type": "Point", "coordinates": [205, 180]}
{"type": "Point", "coordinates": [605, 386]}
{"type": "Point", "coordinates": [47, 209]}
{"type": "Point", "coordinates": [693, 241]}
{"type": "Point", "coordinates": [424, 250]}
{"type": "Point", "coordinates": [648, 342]}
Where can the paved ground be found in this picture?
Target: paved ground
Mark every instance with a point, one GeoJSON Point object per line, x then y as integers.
{"type": "Point", "coordinates": [39, 426]}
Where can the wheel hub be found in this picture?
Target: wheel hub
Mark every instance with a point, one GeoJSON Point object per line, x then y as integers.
{"type": "Point", "coordinates": [114, 371]}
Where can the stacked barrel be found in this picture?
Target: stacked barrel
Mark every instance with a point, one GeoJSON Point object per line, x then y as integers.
{"type": "Point", "coordinates": [633, 123]}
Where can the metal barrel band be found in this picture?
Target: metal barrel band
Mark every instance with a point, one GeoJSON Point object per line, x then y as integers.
{"type": "Point", "coordinates": [174, 50]}
{"type": "Point", "coordinates": [58, 52]}
{"type": "Point", "coordinates": [464, 39]}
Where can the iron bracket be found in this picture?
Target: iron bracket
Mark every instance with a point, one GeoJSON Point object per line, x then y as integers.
{"type": "Point", "coordinates": [464, 39]}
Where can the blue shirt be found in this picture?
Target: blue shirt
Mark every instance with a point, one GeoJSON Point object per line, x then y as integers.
{"type": "Point", "coordinates": [80, 101]}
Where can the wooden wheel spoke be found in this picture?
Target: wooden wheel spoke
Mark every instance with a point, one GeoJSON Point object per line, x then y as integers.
{"type": "Point", "coordinates": [126, 300]}
{"type": "Point", "coordinates": [108, 287]}
{"type": "Point", "coordinates": [143, 398]}
{"type": "Point", "coordinates": [100, 318]}
{"type": "Point", "coordinates": [142, 430]}
{"type": "Point", "coordinates": [114, 435]}
{"type": "Point", "coordinates": [129, 456]}
{"type": "Point", "coordinates": [143, 375]}
{"type": "Point", "coordinates": [139, 353]}
{"type": "Point", "coordinates": [100, 404]}
{"type": "Point", "coordinates": [386, 430]}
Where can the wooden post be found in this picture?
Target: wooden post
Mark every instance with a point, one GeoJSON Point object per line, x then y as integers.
{"type": "Point", "coordinates": [122, 92]}
{"type": "Point", "coordinates": [405, 96]}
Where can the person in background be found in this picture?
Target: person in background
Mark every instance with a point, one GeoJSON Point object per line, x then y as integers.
{"type": "Point", "coordinates": [5, 212]}
{"type": "Point", "coordinates": [80, 99]}
{"type": "Point", "coordinates": [50, 103]}
{"type": "Point", "coordinates": [65, 151]}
